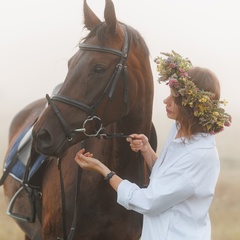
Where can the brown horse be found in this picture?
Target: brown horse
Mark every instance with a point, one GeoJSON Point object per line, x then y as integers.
{"type": "Point", "coordinates": [107, 94]}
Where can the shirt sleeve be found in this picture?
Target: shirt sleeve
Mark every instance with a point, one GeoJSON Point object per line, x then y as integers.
{"type": "Point", "coordinates": [161, 194]}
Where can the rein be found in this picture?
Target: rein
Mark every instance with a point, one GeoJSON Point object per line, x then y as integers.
{"type": "Point", "coordinates": [74, 221]}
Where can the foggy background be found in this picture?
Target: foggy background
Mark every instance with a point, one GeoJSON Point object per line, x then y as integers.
{"type": "Point", "coordinates": [39, 36]}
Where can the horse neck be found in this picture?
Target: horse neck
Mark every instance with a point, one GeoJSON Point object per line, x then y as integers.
{"type": "Point", "coordinates": [139, 119]}
{"type": "Point", "coordinates": [124, 160]}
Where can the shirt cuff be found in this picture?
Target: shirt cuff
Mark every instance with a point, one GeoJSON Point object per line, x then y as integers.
{"type": "Point", "coordinates": [124, 191]}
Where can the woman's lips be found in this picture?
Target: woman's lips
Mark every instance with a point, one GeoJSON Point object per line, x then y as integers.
{"type": "Point", "coordinates": [168, 111]}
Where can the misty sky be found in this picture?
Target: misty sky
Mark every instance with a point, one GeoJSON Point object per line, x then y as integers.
{"type": "Point", "coordinates": [39, 36]}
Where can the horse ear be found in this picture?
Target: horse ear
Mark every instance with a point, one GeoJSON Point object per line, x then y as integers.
{"type": "Point", "coordinates": [90, 19]}
{"type": "Point", "coordinates": [110, 16]}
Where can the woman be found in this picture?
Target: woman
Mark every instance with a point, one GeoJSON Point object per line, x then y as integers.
{"type": "Point", "coordinates": [183, 178]}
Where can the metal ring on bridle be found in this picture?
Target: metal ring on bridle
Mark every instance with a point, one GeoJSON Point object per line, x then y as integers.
{"type": "Point", "coordinates": [97, 130]}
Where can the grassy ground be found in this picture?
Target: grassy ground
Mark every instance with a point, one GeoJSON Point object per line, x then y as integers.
{"type": "Point", "coordinates": [225, 209]}
{"type": "Point", "coordinates": [8, 228]}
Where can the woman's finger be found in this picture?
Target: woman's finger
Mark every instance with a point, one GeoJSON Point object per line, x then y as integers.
{"type": "Point", "coordinates": [88, 154]}
{"type": "Point", "coordinates": [80, 152]}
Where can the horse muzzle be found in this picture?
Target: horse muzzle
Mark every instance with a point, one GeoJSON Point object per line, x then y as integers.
{"type": "Point", "coordinates": [46, 144]}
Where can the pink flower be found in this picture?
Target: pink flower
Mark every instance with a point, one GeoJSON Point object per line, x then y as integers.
{"type": "Point", "coordinates": [184, 74]}
{"type": "Point", "coordinates": [173, 83]}
{"type": "Point", "coordinates": [227, 124]}
{"type": "Point", "coordinates": [172, 65]}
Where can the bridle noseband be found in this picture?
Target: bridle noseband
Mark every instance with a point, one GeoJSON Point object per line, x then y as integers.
{"type": "Point", "coordinates": [109, 90]}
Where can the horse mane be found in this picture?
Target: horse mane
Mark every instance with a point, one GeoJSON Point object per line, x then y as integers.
{"type": "Point", "coordinates": [101, 30]}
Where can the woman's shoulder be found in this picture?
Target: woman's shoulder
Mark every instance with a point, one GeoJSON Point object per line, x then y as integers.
{"type": "Point", "coordinates": [199, 147]}
{"type": "Point", "coordinates": [201, 141]}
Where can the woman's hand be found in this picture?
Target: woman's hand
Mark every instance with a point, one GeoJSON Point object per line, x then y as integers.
{"type": "Point", "coordinates": [138, 142]}
{"type": "Point", "coordinates": [86, 161]}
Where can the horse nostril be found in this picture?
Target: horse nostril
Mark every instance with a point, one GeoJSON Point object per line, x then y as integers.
{"type": "Point", "coordinates": [44, 139]}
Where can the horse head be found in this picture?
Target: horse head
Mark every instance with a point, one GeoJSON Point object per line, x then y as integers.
{"type": "Point", "coordinates": [109, 79]}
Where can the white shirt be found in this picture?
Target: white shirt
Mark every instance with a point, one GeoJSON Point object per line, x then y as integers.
{"type": "Point", "coordinates": [175, 204]}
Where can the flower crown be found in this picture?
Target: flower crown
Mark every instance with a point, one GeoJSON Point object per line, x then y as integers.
{"type": "Point", "coordinates": [174, 71]}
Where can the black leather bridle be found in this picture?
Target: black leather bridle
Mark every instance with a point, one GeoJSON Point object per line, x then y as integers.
{"type": "Point", "coordinates": [109, 90]}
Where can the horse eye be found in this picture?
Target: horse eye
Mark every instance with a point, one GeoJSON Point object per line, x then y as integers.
{"type": "Point", "coordinates": [99, 69]}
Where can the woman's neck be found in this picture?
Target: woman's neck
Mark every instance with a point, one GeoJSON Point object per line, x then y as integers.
{"type": "Point", "coordinates": [181, 134]}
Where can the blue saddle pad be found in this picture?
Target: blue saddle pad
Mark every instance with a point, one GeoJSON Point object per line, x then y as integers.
{"type": "Point", "coordinates": [18, 170]}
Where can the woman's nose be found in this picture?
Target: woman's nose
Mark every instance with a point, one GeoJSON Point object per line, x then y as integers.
{"type": "Point", "coordinates": [166, 100]}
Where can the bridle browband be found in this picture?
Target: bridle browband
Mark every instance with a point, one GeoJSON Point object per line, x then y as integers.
{"type": "Point", "coordinates": [109, 89]}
